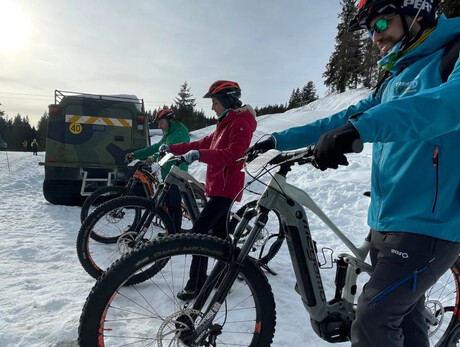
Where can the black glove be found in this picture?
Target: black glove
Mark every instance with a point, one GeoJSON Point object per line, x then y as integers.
{"type": "Point", "coordinates": [330, 149]}
{"type": "Point", "coordinates": [129, 157]}
{"type": "Point", "coordinates": [259, 147]}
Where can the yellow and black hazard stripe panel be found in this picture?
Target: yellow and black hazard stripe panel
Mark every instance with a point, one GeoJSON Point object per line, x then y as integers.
{"type": "Point", "coordinates": [114, 122]}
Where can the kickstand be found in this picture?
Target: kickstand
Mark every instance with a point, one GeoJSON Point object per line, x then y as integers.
{"type": "Point", "coordinates": [267, 268]}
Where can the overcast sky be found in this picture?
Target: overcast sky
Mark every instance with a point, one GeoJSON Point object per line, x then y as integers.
{"type": "Point", "coordinates": [149, 48]}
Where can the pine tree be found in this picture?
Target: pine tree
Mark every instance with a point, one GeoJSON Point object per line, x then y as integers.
{"type": "Point", "coordinates": [185, 99]}
{"type": "Point", "coordinates": [42, 129]}
{"type": "Point", "coordinates": [292, 100]}
{"type": "Point", "coordinates": [343, 69]}
{"type": "Point", "coordinates": [370, 72]}
{"type": "Point", "coordinates": [184, 105]}
{"type": "Point", "coordinates": [296, 99]}
{"type": "Point", "coordinates": [184, 109]}
{"type": "Point", "coordinates": [309, 93]}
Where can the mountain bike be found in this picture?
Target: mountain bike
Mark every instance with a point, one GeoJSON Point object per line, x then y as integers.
{"type": "Point", "coordinates": [236, 305]}
{"type": "Point", "coordinates": [121, 224]}
{"type": "Point", "coordinates": [149, 183]}
{"type": "Point", "coordinates": [124, 223]}
{"type": "Point", "coordinates": [142, 173]}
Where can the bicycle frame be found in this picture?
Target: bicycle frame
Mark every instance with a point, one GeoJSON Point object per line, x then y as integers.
{"type": "Point", "coordinates": [289, 200]}
{"type": "Point", "coordinates": [148, 180]}
{"type": "Point", "coordinates": [330, 319]}
{"type": "Point", "coordinates": [187, 185]}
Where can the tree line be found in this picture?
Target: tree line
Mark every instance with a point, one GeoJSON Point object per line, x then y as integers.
{"type": "Point", "coordinates": [184, 108]}
{"type": "Point", "coordinates": [352, 64]}
{"type": "Point", "coordinates": [18, 133]}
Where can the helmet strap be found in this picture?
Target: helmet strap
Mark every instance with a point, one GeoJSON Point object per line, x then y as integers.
{"type": "Point", "coordinates": [407, 38]}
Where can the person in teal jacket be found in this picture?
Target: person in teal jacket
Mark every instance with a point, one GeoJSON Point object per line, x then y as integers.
{"type": "Point", "coordinates": [413, 121]}
{"type": "Point", "coordinates": [173, 132]}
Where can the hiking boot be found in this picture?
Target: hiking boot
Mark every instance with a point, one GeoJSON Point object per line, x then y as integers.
{"type": "Point", "coordinates": [187, 294]}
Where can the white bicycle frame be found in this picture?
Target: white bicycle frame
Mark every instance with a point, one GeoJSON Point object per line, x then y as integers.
{"type": "Point", "coordinates": [290, 202]}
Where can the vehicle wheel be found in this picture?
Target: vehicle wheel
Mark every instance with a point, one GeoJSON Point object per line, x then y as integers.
{"type": "Point", "coordinates": [114, 221]}
{"type": "Point", "coordinates": [442, 302]}
{"type": "Point", "coordinates": [115, 314]}
{"type": "Point", "coordinates": [98, 197]}
{"type": "Point", "coordinates": [63, 192]}
{"type": "Point", "coordinates": [270, 239]}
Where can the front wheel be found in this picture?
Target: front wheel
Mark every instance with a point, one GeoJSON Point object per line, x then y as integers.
{"type": "Point", "coordinates": [270, 238]}
{"type": "Point", "coordinates": [115, 220]}
{"type": "Point", "coordinates": [117, 315]}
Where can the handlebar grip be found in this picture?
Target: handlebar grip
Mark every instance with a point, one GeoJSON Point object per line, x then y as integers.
{"type": "Point", "coordinates": [357, 146]}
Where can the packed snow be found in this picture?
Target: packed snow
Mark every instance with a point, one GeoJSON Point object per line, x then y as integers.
{"type": "Point", "coordinates": [44, 287]}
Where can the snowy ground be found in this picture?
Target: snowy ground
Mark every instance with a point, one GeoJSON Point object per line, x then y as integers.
{"type": "Point", "coordinates": [43, 287]}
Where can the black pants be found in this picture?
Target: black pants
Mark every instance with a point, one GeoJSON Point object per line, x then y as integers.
{"type": "Point", "coordinates": [390, 308]}
{"type": "Point", "coordinates": [212, 219]}
{"type": "Point", "coordinates": [173, 203]}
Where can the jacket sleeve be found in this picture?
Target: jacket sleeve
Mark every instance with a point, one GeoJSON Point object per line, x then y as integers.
{"type": "Point", "coordinates": [182, 148]}
{"type": "Point", "coordinates": [239, 139]}
{"type": "Point", "coordinates": [306, 135]}
{"type": "Point", "coordinates": [424, 116]}
{"type": "Point", "coordinates": [148, 151]}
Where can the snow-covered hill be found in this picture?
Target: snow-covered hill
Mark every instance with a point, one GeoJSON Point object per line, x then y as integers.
{"type": "Point", "coordinates": [43, 287]}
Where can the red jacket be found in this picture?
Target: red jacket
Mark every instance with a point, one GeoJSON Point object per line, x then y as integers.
{"type": "Point", "coordinates": [221, 149]}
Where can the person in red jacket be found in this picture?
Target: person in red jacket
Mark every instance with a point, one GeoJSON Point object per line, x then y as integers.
{"type": "Point", "coordinates": [224, 177]}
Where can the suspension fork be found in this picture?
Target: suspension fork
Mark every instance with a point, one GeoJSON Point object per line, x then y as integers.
{"type": "Point", "coordinates": [147, 217]}
{"type": "Point", "coordinates": [236, 262]}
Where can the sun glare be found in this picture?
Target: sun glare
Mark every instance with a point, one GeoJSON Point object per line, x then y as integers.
{"type": "Point", "coordinates": [14, 27]}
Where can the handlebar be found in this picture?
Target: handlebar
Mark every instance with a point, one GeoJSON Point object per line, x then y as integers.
{"type": "Point", "coordinates": [179, 159]}
{"type": "Point", "coordinates": [357, 146]}
{"type": "Point", "coordinates": [289, 158]}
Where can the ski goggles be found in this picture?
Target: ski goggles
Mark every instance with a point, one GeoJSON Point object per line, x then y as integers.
{"type": "Point", "coordinates": [379, 26]}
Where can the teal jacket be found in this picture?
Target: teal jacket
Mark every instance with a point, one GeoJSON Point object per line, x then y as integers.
{"type": "Point", "coordinates": [177, 133]}
{"type": "Point", "coordinates": [414, 125]}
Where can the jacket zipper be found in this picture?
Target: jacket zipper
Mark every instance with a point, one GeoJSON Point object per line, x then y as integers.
{"type": "Point", "coordinates": [436, 166]}
{"type": "Point", "coordinates": [382, 153]}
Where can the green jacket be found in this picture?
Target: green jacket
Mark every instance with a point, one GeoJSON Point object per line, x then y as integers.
{"type": "Point", "coordinates": [177, 133]}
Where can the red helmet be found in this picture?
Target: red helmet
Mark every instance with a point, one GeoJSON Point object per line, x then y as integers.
{"type": "Point", "coordinates": [164, 114]}
{"type": "Point", "coordinates": [221, 88]}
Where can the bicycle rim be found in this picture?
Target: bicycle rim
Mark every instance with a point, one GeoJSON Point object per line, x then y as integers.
{"type": "Point", "coordinates": [150, 312]}
{"type": "Point", "coordinates": [102, 255]}
{"type": "Point", "coordinates": [442, 302]}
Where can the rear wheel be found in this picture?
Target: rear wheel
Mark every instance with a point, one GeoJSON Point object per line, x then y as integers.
{"type": "Point", "coordinates": [98, 197]}
{"type": "Point", "coordinates": [442, 302]}
{"type": "Point", "coordinates": [114, 222]}
{"type": "Point", "coordinates": [117, 315]}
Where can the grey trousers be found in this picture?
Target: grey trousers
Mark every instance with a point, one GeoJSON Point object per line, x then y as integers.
{"type": "Point", "coordinates": [390, 308]}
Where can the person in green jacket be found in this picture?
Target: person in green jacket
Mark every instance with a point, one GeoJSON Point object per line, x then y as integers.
{"type": "Point", "coordinates": [173, 132]}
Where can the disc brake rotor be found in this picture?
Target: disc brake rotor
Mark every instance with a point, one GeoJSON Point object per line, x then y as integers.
{"type": "Point", "coordinates": [435, 315]}
{"type": "Point", "coordinates": [176, 324]}
{"type": "Point", "coordinates": [126, 241]}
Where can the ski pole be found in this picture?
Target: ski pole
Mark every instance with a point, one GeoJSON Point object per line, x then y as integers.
{"type": "Point", "coordinates": [7, 161]}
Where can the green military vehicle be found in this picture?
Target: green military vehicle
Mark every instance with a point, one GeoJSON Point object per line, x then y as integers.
{"type": "Point", "coordinates": [87, 139]}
